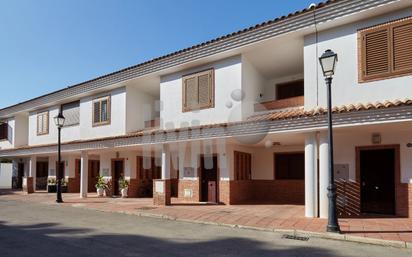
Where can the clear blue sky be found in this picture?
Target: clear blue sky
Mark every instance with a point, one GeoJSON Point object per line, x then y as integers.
{"type": "Point", "coordinates": [46, 45]}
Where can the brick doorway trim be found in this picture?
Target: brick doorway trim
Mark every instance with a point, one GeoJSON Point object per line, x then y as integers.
{"type": "Point", "coordinates": [201, 173]}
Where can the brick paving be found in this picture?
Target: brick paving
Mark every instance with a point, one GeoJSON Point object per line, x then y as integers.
{"type": "Point", "coordinates": [290, 217]}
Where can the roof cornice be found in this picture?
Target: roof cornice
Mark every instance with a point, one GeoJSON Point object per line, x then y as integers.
{"type": "Point", "coordinates": [325, 11]}
{"type": "Point", "coordinates": [300, 124]}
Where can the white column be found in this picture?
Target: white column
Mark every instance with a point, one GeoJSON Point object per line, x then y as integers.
{"type": "Point", "coordinates": [33, 170]}
{"type": "Point", "coordinates": [165, 162]}
{"type": "Point", "coordinates": [323, 175]}
{"type": "Point", "coordinates": [84, 174]}
{"type": "Point", "coordinates": [311, 206]}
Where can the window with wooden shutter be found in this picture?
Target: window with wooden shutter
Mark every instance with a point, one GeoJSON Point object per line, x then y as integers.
{"type": "Point", "coordinates": [386, 50]}
{"type": "Point", "coordinates": [242, 165]}
{"type": "Point", "coordinates": [4, 131]}
{"type": "Point", "coordinates": [198, 91]}
{"type": "Point", "coordinates": [101, 111]}
{"type": "Point", "coordinates": [289, 166]}
{"type": "Point", "coordinates": [71, 113]}
{"type": "Point", "coordinates": [43, 123]}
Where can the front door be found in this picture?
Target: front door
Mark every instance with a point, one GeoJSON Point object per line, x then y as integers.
{"type": "Point", "coordinates": [20, 175]}
{"type": "Point", "coordinates": [208, 178]}
{"type": "Point", "coordinates": [377, 174]}
{"type": "Point", "coordinates": [94, 167]}
{"type": "Point", "coordinates": [117, 172]}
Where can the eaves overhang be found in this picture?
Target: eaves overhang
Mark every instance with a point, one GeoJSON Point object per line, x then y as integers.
{"type": "Point", "coordinates": [298, 124]}
{"type": "Point", "coordinates": [325, 12]}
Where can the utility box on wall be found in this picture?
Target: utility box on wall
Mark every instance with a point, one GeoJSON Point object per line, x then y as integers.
{"type": "Point", "coordinates": [341, 171]}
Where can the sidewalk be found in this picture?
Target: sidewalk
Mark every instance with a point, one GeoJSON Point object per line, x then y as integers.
{"type": "Point", "coordinates": [279, 218]}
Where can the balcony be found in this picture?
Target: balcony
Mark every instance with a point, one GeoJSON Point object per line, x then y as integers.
{"type": "Point", "coordinates": [280, 104]}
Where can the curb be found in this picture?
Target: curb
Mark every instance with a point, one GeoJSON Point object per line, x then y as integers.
{"type": "Point", "coordinates": [292, 232]}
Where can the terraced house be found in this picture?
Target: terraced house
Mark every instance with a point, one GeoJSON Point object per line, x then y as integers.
{"type": "Point", "coordinates": [241, 118]}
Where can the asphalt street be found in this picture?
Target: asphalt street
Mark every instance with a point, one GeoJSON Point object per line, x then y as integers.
{"type": "Point", "coordinates": [29, 229]}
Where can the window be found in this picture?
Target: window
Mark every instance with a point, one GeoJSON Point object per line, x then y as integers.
{"type": "Point", "coordinates": [289, 89]}
{"type": "Point", "coordinates": [289, 165]}
{"type": "Point", "coordinates": [101, 111]}
{"type": "Point", "coordinates": [43, 123]}
{"type": "Point", "coordinates": [71, 113]}
{"type": "Point", "coordinates": [385, 50]}
{"type": "Point", "coordinates": [243, 166]}
{"type": "Point", "coordinates": [4, 131]}
{"type": "Point", "coordinates": [198, 91]}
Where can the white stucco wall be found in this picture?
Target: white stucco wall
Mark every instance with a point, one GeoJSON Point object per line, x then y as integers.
{"type": "Point", "coordinates": [346, 89]}
{"type": "Point", "coordinates": [262, 159]}
{"type": "Point", "coordinates": [140, 107]}
{"type": "Point", "coordinates": [6, 172]}
{"type": "Point", "coordinates": [345, 145]}
{"type": "Point", "coordinates": [227, 79]}
{"type": "Point", "coordinates": [252, 86]}
{"type": "Point", "coordinates": [68, 133]}
{"type": "Point", "coordinates": [117, 124]}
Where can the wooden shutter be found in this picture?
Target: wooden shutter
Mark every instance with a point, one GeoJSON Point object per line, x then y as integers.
{"type": "Point", "coordinates": [71, 113]}
{"type": "Point", "coordinates": [96, 112]}
{"type": "Point", "coordinates": [191, 89]}
{"type": "Point", "coordinates": [376, 47]}
{"type": "Point", "coordinates": [43, 123]}
{"type": "Point", "coordinates": [402, 47]}
{"type": "Point", "coordinates": [204, 85]}
{"type": "Point", "coordinates": [198, 91]}
{"type": "Point", "coordinates": [242, 165]}
{"type": "Point", "coordinates": [386, 50]}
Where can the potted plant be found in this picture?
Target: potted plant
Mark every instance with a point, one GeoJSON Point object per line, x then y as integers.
{"type": "Point", "coordinates": [51, 185]}
{"type": "Point", "coordinates": [63, 184]}
{"type": "Point", "coordinates": [123, 185]}
{"type": "Point", "coordinates": [100, 186]}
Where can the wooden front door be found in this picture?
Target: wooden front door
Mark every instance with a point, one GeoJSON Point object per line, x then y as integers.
{"type": "Point", "coordinates": [94, 168]}
{"type": "Point", "coordinates": [377, 177]}
{"type": "Point", "coordinates": [208, 179]}
{"type": "Point", "coordinates": [117, 172]}
{"type": "Point", "coordinates": [20, 175]}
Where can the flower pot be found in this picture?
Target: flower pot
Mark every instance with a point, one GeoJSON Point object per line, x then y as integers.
{"type": "Point", "coordinates": [124, 192]}
{"type": "Point", "coordinates": [100, 192]}
{"type": "Point", "coordinates": [51, 188]}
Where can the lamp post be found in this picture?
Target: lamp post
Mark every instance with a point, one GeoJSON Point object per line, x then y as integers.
{"type": "Point", "coordinates": [328, 62]}
{"type": "Point", "coordinates": [59, 121]}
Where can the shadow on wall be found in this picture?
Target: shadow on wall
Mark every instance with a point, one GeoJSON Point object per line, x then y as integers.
{"type": "Point", "coordinates": [49, 239]}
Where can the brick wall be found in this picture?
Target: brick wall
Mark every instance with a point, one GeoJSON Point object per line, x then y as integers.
{"type": "Point", "coordinates": [133, 188]}
{"type": "Point", "coordinates": [192, 185]}
{"type": "Point", "coordinates": [349, 202]}
{"type": "Point", "coordinates": [267, 191]}
{"type": "Point", "coordinates": [164, 197]}
{"type": "Point", "coordinates": [73, 185]}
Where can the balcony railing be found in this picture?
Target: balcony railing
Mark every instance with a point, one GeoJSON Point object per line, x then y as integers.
{"type": "Point", "coordinates": [280, 104]}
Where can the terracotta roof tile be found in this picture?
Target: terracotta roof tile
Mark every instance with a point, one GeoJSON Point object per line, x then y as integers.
{"type": "Point", "coordinates": [268, 116]}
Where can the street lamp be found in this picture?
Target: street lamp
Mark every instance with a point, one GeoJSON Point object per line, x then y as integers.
{"type": "Point", "coordinates": [59, 121]}
{"type": "Point", "coordinates": [328, 62]}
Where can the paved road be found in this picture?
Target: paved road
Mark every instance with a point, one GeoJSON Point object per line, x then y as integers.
{"type": "Point", "coordinates": [28, 229]}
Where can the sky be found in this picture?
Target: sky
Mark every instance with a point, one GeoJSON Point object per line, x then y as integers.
{"type": "Point", "coordinates": [46, 45]}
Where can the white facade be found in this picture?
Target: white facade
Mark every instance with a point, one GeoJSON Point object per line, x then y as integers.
{"type": "Point", "coordinates": [343, 40]}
